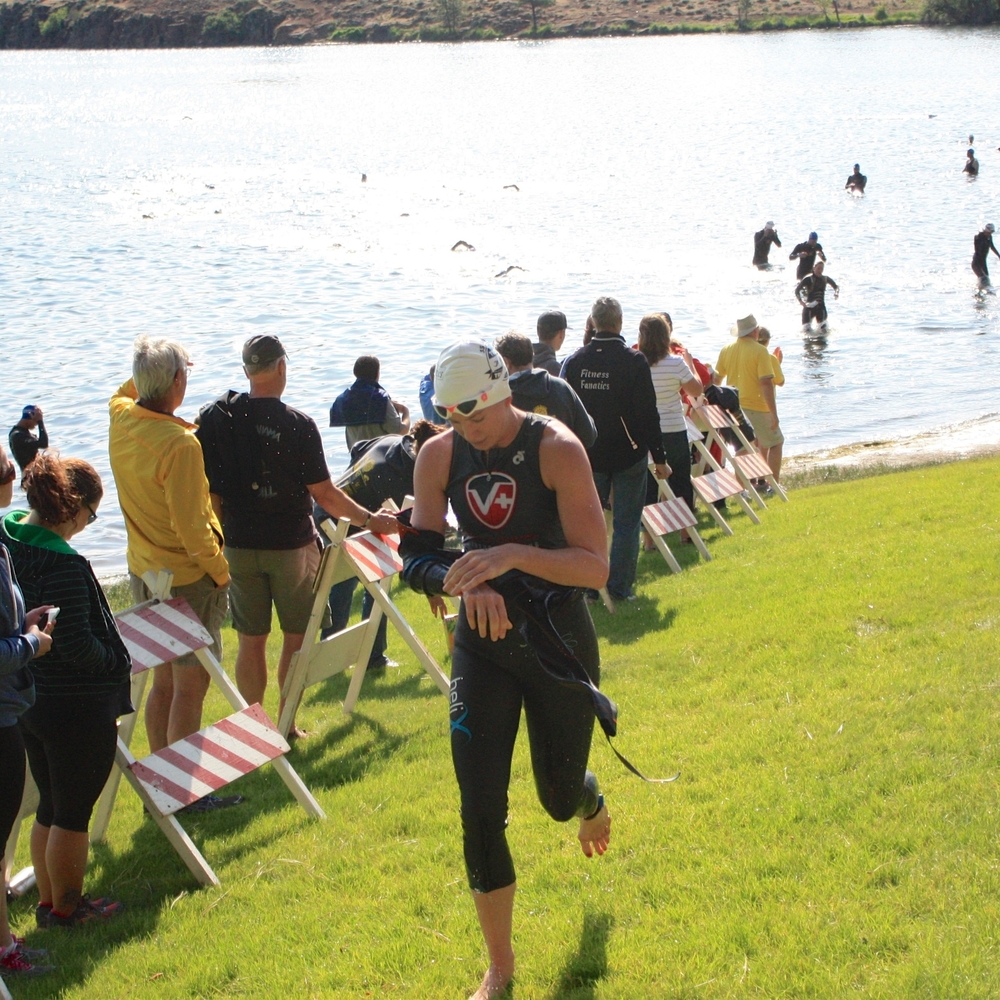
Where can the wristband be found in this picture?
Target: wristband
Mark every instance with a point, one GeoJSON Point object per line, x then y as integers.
{"type": "Point", "coordinates": [368, 520]}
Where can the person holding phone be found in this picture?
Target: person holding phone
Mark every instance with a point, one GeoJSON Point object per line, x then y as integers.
{"type": "Point", "coordinates": [81, 687]}
{"type": "Point", "coordinates": [23, 637]}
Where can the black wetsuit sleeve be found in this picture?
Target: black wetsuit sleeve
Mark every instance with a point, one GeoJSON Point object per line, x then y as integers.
{"type": "Point", "coordinates": [425, 560]}
{"type": "Point", "coordinates": [774, 236]}
{"type": "Point", "coordinates": [992, 247]}
{"type": "Point", "coordinates": [801, 286]}
{"type": "Point", "coordinates": [43, 436]}
{"type": "Point", "coordinates": [832, 282]}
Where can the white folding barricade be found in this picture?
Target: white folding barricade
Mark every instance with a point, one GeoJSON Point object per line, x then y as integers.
{"type": "Point", "coordinates": [671, 514]}
{"type": "Point", "coordinates": [711, 419]}
{"type": "Point", "coordinates": [374, 560]}
{"type": "Point", "coordinates": [720, 485]}
{"type": "Point", "coordinates": [166, 781]}
{"type": "Point", "coordinates": [747, 462]}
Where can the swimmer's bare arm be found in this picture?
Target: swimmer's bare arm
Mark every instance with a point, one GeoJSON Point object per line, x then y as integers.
{"type": "Point", "coordinates": [565, 469]}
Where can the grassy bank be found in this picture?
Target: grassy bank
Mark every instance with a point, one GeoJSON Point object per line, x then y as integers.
{"type": "Point", "coordinates": [827, 688]}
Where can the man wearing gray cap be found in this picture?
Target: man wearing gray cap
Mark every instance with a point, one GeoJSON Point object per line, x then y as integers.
{"type": "Point", "coordinates": [762, 241]}
{"type": "Point", "coordinates": [551, 334]}
{"type": "Point", "coordinates": [266, 466]}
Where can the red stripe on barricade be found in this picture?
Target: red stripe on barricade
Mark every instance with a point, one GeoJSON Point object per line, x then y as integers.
{"type": "Point", "coordinates": [753, 465]}
{"type": "Point", "coordinates": [180, 605]}
{"type": "Point", "coordinates": [379, 547]}
{"type": "Point", "coordinates": [366, 552]}
{"type": "Point", "coordinates": [143, 641]}
{"type": "Point", "coordinates": [713, 416]}
{"type": "Point", "coordinates": [164, 624]}
{"type": "Point", "coordinates": [230, 728]}
{"type": "Point", "coordinates": [717, 485]}
{"type": "Point", "coordinates": [201, 742]}
{"type": "Point", "coordinates": [670, 515]}
{"type": "Point", "coordinates": [182, 763]}
{"type": "Point", "coordinates": [183, 795]}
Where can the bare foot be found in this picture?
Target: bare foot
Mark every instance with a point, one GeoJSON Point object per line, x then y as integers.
{"type": "Point", "coordinates": [495, 982]}
{"type": "Point", "coordinates": [595, 833]}
{"type": "Point", "coordinates": [295, 733]}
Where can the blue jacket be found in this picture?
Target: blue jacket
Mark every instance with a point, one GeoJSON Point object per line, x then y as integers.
{"type": "Point", "coordinates": [366, 402]}
{"type": "Point", "coordinates": [426, 395]}
{"type": "Point", "coordinates": [17, 688]}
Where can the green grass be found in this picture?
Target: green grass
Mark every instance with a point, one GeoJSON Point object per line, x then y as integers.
{"type": "Point", "coordinates": [827, 687]}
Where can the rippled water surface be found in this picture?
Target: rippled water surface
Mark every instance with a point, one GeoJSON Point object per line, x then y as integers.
{"type": "Point", "coordinates": [211, 195]}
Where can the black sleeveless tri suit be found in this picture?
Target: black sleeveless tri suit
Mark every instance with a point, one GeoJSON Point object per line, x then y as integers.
{"type": "Point", "coordinates": [499, 497]}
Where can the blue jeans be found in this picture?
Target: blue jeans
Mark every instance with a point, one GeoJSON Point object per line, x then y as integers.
{"type": "Point", "coordinates": [341, 598]}
{"type": "Point", "coordinates": [629, 487]}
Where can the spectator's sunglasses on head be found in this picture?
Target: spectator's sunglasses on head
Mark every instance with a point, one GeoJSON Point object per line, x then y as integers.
{"type": "Point", "coordinates": [91, 517]}
{"type": "Point", "coordinates": [465, 408]}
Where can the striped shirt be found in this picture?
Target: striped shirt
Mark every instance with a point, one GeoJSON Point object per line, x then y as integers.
{"type": "Point", "coordinates": [669, 374]}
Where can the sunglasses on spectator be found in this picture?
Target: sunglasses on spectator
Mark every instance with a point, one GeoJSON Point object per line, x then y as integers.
{"type": "Point", "coordinates": [92, 517]}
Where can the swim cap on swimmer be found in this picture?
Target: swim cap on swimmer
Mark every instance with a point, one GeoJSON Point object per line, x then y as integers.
{"type": "Point", "coordinates": [990, 228]}
{"type": "Point", "coordinates": [28, 412]}
{"type": "Point", "coordinates": [769, 225]}
{"type": "Point", "coordinates": [813, 236]}
{"type": "Point", "coordinates": [469, 376]}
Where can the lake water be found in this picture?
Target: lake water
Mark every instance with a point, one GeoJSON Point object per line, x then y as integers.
{"type": "Point", "coordinates": [644, 167]}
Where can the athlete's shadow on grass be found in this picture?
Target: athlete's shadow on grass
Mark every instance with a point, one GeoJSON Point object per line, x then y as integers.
{"type": "Point", "coordinates": [582, 973]}
{"type": "Point", "coordinates": [631, 620]}
{"type": "Point", "coordinates": [389, 685]}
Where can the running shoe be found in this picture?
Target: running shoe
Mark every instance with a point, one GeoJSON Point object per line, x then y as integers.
{"type": "Point", "coordinates": [31, 954]}
{"type": "Point", "coordinates": [209, 803]}
{"type": "Point", "coordinates": [13, 962]}
{"type": "Point", "coordinates": [87, 911]}
{"type": "Point", "coordinates": [42, 912]}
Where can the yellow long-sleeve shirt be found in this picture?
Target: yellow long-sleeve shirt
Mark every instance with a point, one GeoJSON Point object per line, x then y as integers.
{"type": "Point", "coordinates": [163, 493]}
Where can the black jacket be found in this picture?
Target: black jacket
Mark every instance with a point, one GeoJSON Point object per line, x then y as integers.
{"type": "Point", "coordinates": [88, 655]}
{"type": "Point", "coordinates": [539, 392]}
{"type": "Point", "coordinates": [614, 383]}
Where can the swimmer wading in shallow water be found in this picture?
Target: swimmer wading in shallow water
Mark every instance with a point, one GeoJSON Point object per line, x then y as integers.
{"type": "Point", "coordinates": [521, 489]}
{"type": "Point", "coordinates": [983, 244]}
{"type": "Point", "coordinates": [811, 292]}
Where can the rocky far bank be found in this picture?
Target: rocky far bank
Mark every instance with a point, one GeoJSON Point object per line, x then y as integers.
{"type": "Point", "coordinates": [94, 24]}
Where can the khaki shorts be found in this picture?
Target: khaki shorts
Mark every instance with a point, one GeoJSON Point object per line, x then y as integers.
{"type": "Point", "coordinates": [208, 601]}
{"type": "Point", "coordinates": [760, 421]}
{"type": "Point", "coordinates": [262, 576]}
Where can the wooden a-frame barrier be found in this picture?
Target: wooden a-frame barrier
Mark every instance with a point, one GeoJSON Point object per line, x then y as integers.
{"type": "Point", "coordinates": [374, 560]}
{"type": "Point", "coordinates": [670, 514]}
{"type": "Point", "coordinates": [158, 631]}
{"type": "Point", "coordinates": [747, 461]}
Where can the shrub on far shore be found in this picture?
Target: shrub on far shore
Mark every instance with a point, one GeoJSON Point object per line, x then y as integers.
{"type": "Point", "coordinates": [960, 12]}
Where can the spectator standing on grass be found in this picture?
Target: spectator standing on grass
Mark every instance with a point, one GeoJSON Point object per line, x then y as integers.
{"type": "Point", "coordinates": [671, 374]}
{"type": "Point", "coordinates": [536, 391]}
{"type": "Point", "coordinates": [82, 685]}
{"type": "Point", "coordinates": [614, 383]}
{"type": "Point", "coordinates": [24, 445]}
{"type": "Point", "coordinates": [747, 366]}
{"type": "Point", "coordinates": [21, 641]}
{"type": "Point", "coordinates": [163, 494]}
{"type": "Point", "coordinates": [551, 328]}
{"type": "Point", "coordinates": [265, 467]}
{"type": "Point", "coordinates": [365, 410]}
{"type": "Point", "coordinates": [380, 470]}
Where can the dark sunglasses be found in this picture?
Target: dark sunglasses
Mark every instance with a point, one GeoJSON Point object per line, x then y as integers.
{"type": "Point", "coordinates": [92, 517]}
{"type": "Point", "coordinates": [444, 412]}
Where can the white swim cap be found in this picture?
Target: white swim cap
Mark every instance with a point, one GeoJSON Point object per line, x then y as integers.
{"type": "Point", "coordinates": [469, 376]}
{"type": "Point", "coordinates": [990, 228]}
{"type": "Point", "coordinates": [769, 225]}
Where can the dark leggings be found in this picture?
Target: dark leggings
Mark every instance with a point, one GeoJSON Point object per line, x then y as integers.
{"type": "Point", "coordinates": [817, 312]}
{"type": "Point", "coordinates": [11, 780]}
{"type": "Point", "coordinates": [71, 746]}
{"type": "Point", "coordinates": [489, 683]}
{"type": "Point", "coordinates": [677, 449]}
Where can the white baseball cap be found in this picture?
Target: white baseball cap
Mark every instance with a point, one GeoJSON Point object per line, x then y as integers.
{"type": "Point", "coordinates": [469, 376]}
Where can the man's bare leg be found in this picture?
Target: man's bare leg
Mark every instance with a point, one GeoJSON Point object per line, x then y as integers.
{"type": "Point", "coordinates": [251, 667]}
{"type": "Point", "coordinates": [290, 646]}
{"type": "Point", "coordinates": [496, 915]}
{"type": "Point", "coordinates": [158, 704]}
{"type": "Point", "coordinates": [774, 460]}
{"type": "Point", "coordinates": [190, 687]}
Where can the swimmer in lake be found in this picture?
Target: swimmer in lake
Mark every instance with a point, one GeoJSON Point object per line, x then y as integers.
{"type": "Point", "coordinates": [762, 241]}
{"type": "Point", "coordinates": [983, 243]}
{"type": "Point", "coordinates": [811, 292]}
{"type": "Point", "coordinates": [971, 163]}
{"type": "Point", "coordinates": [806, 254]}
{"type": "Point", "coordinates": [857, 180]}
